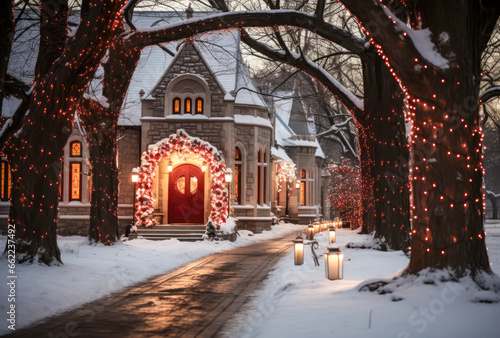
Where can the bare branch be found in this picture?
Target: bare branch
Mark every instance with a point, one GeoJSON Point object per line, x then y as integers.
{"type": "Point", "coordinates": [320, 9]}
{"type": "Point", "coordinates": [232, 20]}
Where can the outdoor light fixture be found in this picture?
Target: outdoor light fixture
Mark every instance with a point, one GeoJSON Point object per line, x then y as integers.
{"type": "Point", "coordinates": [203, 168]}
{"type": "Point", "coordinates": [331, 235]}
{"type": "Point", "coordinates": [170, 168]}
{"type": "Point", "coordinates": [135, 175]}
{"type": "Point", "coordinates": [316, 228]}
{"type": "Point", "coordinates": [298, 252]}
{"type": "Point", "coordinates": [310, 232]}
{"type": "Point", "coordinates": [229, 175]}
{"type": "Point", "coordinates": [297, 184]}
{"type": "Point", "coordinates": [334, 264]}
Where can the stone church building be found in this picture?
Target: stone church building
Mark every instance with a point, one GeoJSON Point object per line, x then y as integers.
{"type": "Point", "coordinates": [200, 89]}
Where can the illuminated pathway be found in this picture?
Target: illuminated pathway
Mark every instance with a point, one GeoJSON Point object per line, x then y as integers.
{"type": "Point", "coordinates": [195, 300]}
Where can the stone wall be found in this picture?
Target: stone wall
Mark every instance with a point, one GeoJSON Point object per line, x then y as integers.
{"type": "Point", "coordinates": [188, 61]}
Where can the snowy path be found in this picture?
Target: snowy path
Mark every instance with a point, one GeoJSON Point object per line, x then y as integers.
{"type": "Point", "coordinates": [91, 272]}
{"type": "Point", "coordinates": [298, 301]}
{"type": "Point", "coordinates": [195, 300]}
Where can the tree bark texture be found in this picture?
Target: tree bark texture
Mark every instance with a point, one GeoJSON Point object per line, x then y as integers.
{"type": "Point", "coordinates": [446, 177]}
{"type": "Point", "coordinates": [7, 31]}
{"type": "Point", "coordinates": [384, 115]}
{"type": "Point", "coordinates": [45, 133]}
{"type": "Point", "coordinates": [101, 125]}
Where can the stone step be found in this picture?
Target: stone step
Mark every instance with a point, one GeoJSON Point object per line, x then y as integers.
{"type": "Point", "coordinates": [181, 232]}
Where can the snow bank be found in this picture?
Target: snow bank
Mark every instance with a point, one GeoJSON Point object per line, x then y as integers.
{"type": "Point", "coordinates": [298, 301]}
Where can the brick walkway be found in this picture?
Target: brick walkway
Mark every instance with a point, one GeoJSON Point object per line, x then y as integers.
{"type": "Point", "coordinates": [196, 300]}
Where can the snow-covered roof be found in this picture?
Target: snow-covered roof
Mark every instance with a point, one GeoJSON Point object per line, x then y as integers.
{"type": "Point", "coordinates": [279, 152]}
{"type": "Point", "coordinates": [220, 51]}
{"type": "Point", "coordinates": [283, 133]}
{"type": "Point", "coordinates": [9, 106]}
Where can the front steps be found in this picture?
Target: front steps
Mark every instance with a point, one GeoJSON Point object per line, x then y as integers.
{"type": "Point", "coordinates": [186, 233]}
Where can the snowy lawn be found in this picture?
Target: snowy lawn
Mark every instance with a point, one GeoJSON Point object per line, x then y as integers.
{"type": "Point", "coordinates": [298, 301]}
{"type": "Point", "coordinates": [93, 271]}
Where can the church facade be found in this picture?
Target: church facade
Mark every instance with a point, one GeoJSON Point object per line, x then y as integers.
{"type": "Point", "coordinates": [203, 93]}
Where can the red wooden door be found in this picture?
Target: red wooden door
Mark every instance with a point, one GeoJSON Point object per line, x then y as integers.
{"type": "Point", "coordinates": [186, 195]}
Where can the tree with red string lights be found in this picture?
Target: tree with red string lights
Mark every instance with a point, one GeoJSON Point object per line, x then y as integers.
{"type": "Point", "coordinates": [438, 63]}
{"type": "Point", "coordinates": [423, 80]}
{"type": "Point", "coordinates": [345, 190]}
{"type": "Point", "coordinates": [39, 149]}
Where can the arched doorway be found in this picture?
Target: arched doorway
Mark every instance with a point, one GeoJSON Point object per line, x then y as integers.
{"type": "Point", "coordinates": [185, 147]}
{"type": "Point", "coordinates": [186, 195]}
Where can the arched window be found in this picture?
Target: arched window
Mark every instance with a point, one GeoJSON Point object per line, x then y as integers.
{"type": "Point", "coordinates": [75, 181]}
{"type": "Point", "coordinates": [237, 175]}
{"type": "Point", "coordinates": [176, 106]}
{"type": "Point", "coordinates": [261, 177]}
{"type": "Point", "coordinates": [188, 106]}
{"type": "Point", "coordinates": [61, 180]}
{"type": "Point", "coordinates": [75, 149]}
{"type": "Point", "coordinates": [199, 106]}
{"type": "Point", "coordinates": [303, 178]}
{"type": "Point", "coordinates": [75, 169]}
{"type": "Point", "coordinates": [6, 181]}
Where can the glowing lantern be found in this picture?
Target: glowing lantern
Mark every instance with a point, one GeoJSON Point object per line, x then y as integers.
{"type": "Point", "coordinates": [297, 184]}
{"type": "Point", "coordinates": [170, 168]}
{"type": "Point", "coordinates": [334, 264]}
{"type": "Point", "coordinates": [331, 235]}
{"type": "Point", "coordinates": [135, 175]}
{"type": "Point", "coordinates": [310, 232]}
{"type": "Point", "coordinates": [316, 228]}
{"type": "Point", "coordinates": [229, 175]}
{"type": "Point", "coordinates": [298, 251]}
{"type": "Point", "coordinates": [203, 168]}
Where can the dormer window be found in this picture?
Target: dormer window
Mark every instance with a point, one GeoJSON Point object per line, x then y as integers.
{"type": "Point", "coordinates": [187, 94]}
{"type": "Point", "coordinates": [176, 106]}
{"type": "Point", "coordinates": [199, 105]}
{"type": "Point", "coordinates": [188, 105]}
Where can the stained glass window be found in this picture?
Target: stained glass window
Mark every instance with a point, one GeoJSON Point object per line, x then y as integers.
{"type": "Point", "coordinates": [75, 149]}
{"type": "Point", "coordinates": [176, 106]}
{"type": "Point", "coordinates": [199, 105]}
{"type": "Point", "coordinates": [61, 180]}
{"type": "Point", "coordinates": [302, 193]}
{"type": "Point", "coordinates": [237, 175]}
{"type": "Point", "coordinates": [187, 106]}
{"type": "Point", "coordinates": [180, 185]}
{"type": "Point", "coordinates": [76, 181]}
{"type": "Point", "coordinates": [193, 185]}
{"type": "Point", "coordinates": [6, 181]}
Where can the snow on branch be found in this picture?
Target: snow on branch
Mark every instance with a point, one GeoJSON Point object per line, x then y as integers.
{"type": "Point", "coordinates": [350, 101]}
{"type": "Point", "coordinates": [335, 128]}
{"type": "Point", "coordinates": [409, 52]}
{"type": "Point", "coordinates": [489, 94]}
{"type": "Point", "coordinates": [148, 36]}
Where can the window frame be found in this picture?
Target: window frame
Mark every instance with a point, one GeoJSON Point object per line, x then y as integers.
{"type": "Point", "coordinates": [173, 106]}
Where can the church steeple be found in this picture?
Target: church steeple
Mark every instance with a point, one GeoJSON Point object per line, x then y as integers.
{"type": "Point", "coordinates": [298, 118]}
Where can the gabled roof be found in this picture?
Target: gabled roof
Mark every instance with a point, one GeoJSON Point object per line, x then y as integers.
{"type": "Point", "coordinates": [283, 132]}
{"type": "Point", "coordinates": [220, 51]}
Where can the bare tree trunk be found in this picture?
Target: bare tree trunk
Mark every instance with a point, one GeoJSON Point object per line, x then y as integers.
{"type": "Point", "coordinates": [44, 135]}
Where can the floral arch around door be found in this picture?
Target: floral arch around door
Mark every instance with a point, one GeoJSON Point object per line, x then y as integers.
{"type": "Point", "coordinates": [184, 146]}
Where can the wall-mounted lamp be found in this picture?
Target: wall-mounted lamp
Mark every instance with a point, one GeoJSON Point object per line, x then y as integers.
{"type": "Point", "coordinates": [135, 175]}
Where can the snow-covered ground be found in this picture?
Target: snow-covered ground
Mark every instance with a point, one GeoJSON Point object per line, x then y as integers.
{"type": "Point", "coordinates": [298, 301]}
{"type": "Point", "coordinates": [93, 271]}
